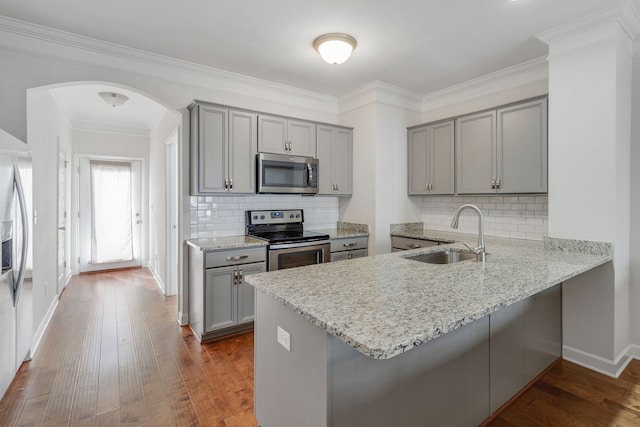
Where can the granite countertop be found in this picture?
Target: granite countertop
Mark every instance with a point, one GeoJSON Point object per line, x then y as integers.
{"type": "Point", "coordinates": [392, 304]}
{"type": "Point", "coordinates": [341, 233]}
{"type": "Point", "coordinates": [225, 243]}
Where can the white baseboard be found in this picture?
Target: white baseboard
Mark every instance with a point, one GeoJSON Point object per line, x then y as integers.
{"type": "Point", "coordinates": [183, 319]}
{"type": "Point", "coordinates": [159, 281]}
{"type": "Point", "coordinates": [39, 334]}
{"type": "Point", "coordinates": [609, 367]}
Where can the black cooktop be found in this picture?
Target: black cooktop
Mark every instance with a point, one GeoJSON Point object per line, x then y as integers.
{"type": "Point", "coordinates": [280, 226]}
{"type": "Point", "coordinates": [287, 236]}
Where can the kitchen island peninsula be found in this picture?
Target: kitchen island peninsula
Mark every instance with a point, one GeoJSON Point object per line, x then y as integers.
{"type": "Point", "coordinates": [388, 340]}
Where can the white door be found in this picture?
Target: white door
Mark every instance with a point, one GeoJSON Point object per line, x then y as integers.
{"type": "Point", "coordinates": [62, 218]}
{"type": "Point", "coordinates": [110, 213]}
{"type": "Point", "coordinates": [172, 214]}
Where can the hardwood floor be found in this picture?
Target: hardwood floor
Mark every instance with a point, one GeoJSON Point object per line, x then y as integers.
{"type": "Point", "coordinates": [114, 355]}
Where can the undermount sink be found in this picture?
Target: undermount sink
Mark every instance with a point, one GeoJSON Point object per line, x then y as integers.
{"type": "Point", "coordinates": [447, 256]}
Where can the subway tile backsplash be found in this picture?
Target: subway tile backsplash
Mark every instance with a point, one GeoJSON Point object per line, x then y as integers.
{"type": "Point", "coordinates": [218, 216]}
{"type": "Point", "coordinates": [520, 217]}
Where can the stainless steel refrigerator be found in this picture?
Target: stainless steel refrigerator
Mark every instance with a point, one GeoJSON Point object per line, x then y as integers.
{"type": "Point", "coordinates": [16, 302]}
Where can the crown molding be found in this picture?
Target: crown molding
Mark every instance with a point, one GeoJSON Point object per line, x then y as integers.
{"type": "Point", "coordinates": [32, 39]}
{"type": "Point", "coordinates": [624, 14]}
{"type": "Point", "coordinates": [377, 92]}
{"type": "Point", "coordinates": [527, 73]}
{"type": "Point", "coordinates": [89, 126]}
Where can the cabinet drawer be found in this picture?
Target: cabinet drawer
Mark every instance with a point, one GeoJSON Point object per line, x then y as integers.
{"type": "Point", "coordinates": [349, 244]}
{"type": "Point", "coordinates": [340, 256]}
{"type": "Point", "coordinates": [405, 243]}
{"type": "Point", "coordinates": [234, 257]}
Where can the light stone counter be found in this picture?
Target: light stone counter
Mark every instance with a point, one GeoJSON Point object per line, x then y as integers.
{"type": "Point", "coordinates": [225, 243]}
{"type": "Point", "coordinates": [345, 230]}
{"type": "Point", "coordinates": [386, 305]}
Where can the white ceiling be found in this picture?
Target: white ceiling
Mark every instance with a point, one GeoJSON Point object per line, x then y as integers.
{"type": "Point", "coordinates": [418, 45]}
{"type": "Point", "coordinates": [85, 109]}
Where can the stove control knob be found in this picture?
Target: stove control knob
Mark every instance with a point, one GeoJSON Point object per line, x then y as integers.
{"type": "Point", "coordinates": [255, 217]}
{"type": "Point", "coordinates": [261, 216]}
{"type": "Point", "coordinates": [297, 215]}
{"type": "Point", "coordinates": [291, 216]}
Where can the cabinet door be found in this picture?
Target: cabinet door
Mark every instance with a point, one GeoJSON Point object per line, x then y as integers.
{"type": "Point", "coordinates": [417, 151]}
{"type": "Point", "coordinates": [272, 135]}
{"type": "Point", "coordinates": [475, 153]}
{"type": "Point", "coordinates": [325, 158]}
{"type": "Point", "coordinates": [343, 161]}
{"type": "Point", "coordinates": [242, 151]}
{"type": "Point", "coordinates": [302, 138]}
{"type": "Point", "coordinates": [220, 298]}
{"type": "Point", "coordinates": [440, 158]}
{"type": "Point", "coordinates": [212, 142]}
{"type": "Point", "coordinates": [522, 148]}
{"type": "Point", "coordinates": [246, 293]}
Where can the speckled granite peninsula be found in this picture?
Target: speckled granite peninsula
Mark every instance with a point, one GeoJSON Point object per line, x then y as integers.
{"type": "Point", "coordinates": [393, 304]}
{"type": "Point", "coordinates": [225, 243]}
{"type": "Point", "coordinates": [388, 340]}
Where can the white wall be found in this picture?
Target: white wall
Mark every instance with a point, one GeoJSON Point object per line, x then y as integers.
{"type": "Point", "coordinates": [43, 135]}
{"type": "Point", "coordinates": [634, 256]}
{"type": "Point", "coordinates": [589, 183]}
{"type": "Point", "coordinates": [157, 216]}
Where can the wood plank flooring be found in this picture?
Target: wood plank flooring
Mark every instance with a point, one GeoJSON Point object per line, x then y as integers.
{"type": "Point", "coordinates": [115, 355]}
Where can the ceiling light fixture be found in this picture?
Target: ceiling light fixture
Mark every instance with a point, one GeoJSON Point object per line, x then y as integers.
{"type": "Point", "coordinates": [335, 48]}
{"type": "Point", "coordinates": [114, 99]}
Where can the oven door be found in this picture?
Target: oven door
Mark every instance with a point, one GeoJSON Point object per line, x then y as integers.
{"type": "Point", "coordinates": [298, 254]}
{"type": "Point", "coordinates": [279, 173]}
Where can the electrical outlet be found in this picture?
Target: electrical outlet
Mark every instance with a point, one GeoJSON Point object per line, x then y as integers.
{"type": "Point", "coordinates": [284, 338]}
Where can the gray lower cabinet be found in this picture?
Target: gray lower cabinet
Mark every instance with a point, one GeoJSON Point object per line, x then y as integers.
{"type": "Point", "coordinates": [220, 301]}
{"type": "Point", "coordinates": [406, 243]}
{"type": "Point", "coordinates": [280, 135]}
{"type": "Point", "coordinates": [223, 147]}
{"type": "Point", "coordinates": [431, 159]}
{"type": "Point", "coordinates": [458, 379]}
{"type": "Point", "coordinates": [503, 151]}
{"type": "Point", "coordinates": [349, 248]}
{"type": "Point", "coordinates": [335, 154]}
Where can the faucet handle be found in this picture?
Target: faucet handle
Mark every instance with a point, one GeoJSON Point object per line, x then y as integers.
{"type": "Point", "coordinates": [476, 251]}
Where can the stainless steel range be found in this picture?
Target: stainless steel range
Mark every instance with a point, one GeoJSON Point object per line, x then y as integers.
{"type": "Point", "coordinates": [289, 245]}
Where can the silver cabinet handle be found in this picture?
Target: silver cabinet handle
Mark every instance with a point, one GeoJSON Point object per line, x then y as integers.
{"type": "Point", "coordinates": [430, 187]}
{"type": "Point", "coordinates": [413, 246]}
{"type": "Point", "coordinates": [493, 183]}
{"type": "Point", "coordinates": [237, 257]}
{"type": "Point", "coordinates": [349, 245]}
{"type": "Point", "coordinates": [240, 277]}
{"type": "Point", "coordinates": [426, 186]}
{"type": "Point", "coordinates": [498, 183]}
{"type": "Point", "coordinates": [230, 183]}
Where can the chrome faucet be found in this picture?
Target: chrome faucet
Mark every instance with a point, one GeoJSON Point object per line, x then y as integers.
{"type": "Point", "coordinates": [480, 250]}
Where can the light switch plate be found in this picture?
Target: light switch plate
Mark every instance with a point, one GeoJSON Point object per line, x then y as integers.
{"type": "Point", "coordinates": [284, 338]}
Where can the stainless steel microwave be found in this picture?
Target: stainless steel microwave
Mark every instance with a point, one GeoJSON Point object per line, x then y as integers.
{"type": "Point", "coordinates": [284, 174]}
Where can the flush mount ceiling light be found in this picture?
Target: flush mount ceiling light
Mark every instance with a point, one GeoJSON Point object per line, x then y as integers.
{"type": "Point", "coordinates": [114, 99]}
{"type": "Point", "coordinates": [335, 48]}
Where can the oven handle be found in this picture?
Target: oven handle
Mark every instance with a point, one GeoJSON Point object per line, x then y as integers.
{"type": "Point", "coordinates": [299, 244]}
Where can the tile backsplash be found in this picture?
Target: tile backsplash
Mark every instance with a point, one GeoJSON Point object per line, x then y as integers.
{"type": "Point", "coordinates": [520, 217]}
{"type": "Point", "coordinates": [217, 216]}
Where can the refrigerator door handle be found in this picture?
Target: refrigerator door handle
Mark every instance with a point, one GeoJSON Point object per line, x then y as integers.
{"type": "Point", "coordinates": [25, 236]}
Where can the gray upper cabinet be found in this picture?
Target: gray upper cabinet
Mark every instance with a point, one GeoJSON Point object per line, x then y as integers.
{"type": "Point", "coordinates": [431, 159]}
{"type": "Point", "coordinates": [335, 154]}
{"type": "Point", "coordinates": [223, 147]}
{"type": "Point", "coordinates": [503, 150]}
{"type": "Point", "coordinates": [280, 135]}
{"type": "Point", "coordinates": [522, 148]}
{"type": "Point", "coordinates": [476, 153]}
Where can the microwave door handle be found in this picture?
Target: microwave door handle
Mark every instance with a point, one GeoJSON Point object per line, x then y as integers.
{"type": "Point", "coordinates": [25, 235]}
{"type": "Point", "coordinates": [309, 174]}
